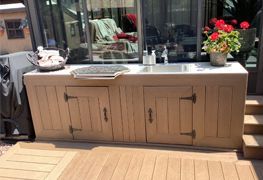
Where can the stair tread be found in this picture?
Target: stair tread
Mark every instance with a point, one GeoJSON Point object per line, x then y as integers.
{"type": "Point", "coordinates": [254, 120]}
{"type": "Point", "coordinates": [254, 100]}
{"type": "Point", "coordinates": [253, 140]}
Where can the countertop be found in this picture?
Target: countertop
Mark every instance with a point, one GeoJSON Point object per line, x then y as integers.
{"type": "Point", "coordinates": [159, 69]}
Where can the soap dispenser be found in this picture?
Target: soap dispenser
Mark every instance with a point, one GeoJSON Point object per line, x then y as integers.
{"type": "Point", "coordinates": [150, 57]}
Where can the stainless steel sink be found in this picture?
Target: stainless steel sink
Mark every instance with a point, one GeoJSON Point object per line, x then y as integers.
{"type": "Point", "coordinates": [170, 68]}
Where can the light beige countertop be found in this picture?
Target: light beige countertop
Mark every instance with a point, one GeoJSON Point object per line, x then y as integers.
{"type": "Point", "coordinates": [159, 69]}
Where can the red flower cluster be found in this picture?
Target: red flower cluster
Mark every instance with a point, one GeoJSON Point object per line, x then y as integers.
{"type": "Point", "coordinates": [214, 36]}
{"type": "Point", "coordinates": [234, 22]}
{"type": "Point", "coordinates": [221, 25]}
{"type": "Point", "coordinates": [213, 21]}
{"type": "Point", "coordinates": [244, 25]}
{"type": "Point", "coordinates": [228, 28]}
{"type": "Point", "coordinates": [207, 28]}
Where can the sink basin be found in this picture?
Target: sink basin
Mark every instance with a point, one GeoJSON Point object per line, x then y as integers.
{"type": "Point", "coordinates": [166, 68]}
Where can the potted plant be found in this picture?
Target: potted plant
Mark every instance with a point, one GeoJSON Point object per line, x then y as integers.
{"type": "Point", "coordinates": [2, 31]}
{"type": "Point", "coordinates": [244, 11]}
{"type": "Point", "coordinates": [221, 39]}
{"type": "Point", "coordinates": [247, 37]}
{"type": "Point", "coordinates": [2, 28]}
{"type": "Point", "coordinates": [24, 26]}
{"type": "Point", "coordinates": [26, 30]}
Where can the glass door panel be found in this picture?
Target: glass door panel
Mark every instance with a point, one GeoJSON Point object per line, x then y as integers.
{"type": "Point", "coordinates": [171, 25]}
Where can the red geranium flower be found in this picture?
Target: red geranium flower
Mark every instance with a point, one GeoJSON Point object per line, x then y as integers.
{"type": "Point", "coordinates": [234, 22]}
{"type": "Point", "coordinates": [213, 21]}
{"type": "Point", "coordinates": [207, 28]}
{"type": "Point", "coordinates": [220, 24]}
{"type": "Point", "coordinates": [214, 36]}
{"type": "Point", "coordinates": [244, 25]}
{"type": "Point", "coordinates": [228, 28]}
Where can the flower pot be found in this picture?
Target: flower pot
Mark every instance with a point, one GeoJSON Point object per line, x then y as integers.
{"type": "Point", "coordinates": [26, 30]}
{"type": "Point", "coordinates": [247, 39]}
{"type": "Point", "coordinates": [2, 31]}
{"type": "Point", "coordinates": [218, 58]}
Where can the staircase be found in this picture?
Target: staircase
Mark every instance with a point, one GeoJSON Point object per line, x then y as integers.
{"type": "Point", "coordinates": [253, 128]}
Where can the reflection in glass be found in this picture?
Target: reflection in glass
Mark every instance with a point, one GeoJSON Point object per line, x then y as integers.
{"type": "Point", "coordinates": [113, 30]}
{"type": "Point", "coordinates": [63, 24]}
{"type": "Point", "coordinates": [170, 26]}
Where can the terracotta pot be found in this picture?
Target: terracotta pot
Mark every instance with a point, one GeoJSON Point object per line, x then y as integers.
{"type": "Point", "coordinates": [247, 39]}
{"type": "Point", "coordinates": [2, 31]}
{"type": "Point", "coordinates": [26, 30]}
{"type": "Point", "coordinates": [218, 58]}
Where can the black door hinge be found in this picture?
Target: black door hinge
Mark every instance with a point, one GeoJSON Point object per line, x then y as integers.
{"type": "Point", "coordinates": [71, 129]}
{"type": "Point", "coordinates": [67, 97]}
{"type": "Point", "coordinates": [192, 134]}
{"type": "Point", "coordinates": [190, 98]}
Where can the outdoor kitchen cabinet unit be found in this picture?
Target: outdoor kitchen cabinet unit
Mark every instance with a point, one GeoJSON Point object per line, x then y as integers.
{"type": "Point", "coordinates": [198, 109]}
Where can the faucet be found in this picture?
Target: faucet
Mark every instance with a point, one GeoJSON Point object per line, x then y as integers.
{"type": "Point", "coordinates": [165, 55]}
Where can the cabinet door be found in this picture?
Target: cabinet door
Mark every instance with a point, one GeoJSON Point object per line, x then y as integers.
{"type": "Point", "coordinates": [90, 113]}
{"type": "Point", "coordinates": [49, 112]}
{"type": "Point", "coordinates": [168, 114]}
{"type": "Point", "coordinates": [219, 115]}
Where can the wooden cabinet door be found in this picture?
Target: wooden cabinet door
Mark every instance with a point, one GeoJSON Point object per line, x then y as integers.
{"type": "Point", "coordinates": [168, 114]}
{"type": "Point", "coordinates": [90, 113]}
{"type": "Point", "coordinates": [49, 112]}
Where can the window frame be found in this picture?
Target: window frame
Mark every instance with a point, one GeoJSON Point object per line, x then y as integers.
{"type": "Point", "coordinates": [13, 29]}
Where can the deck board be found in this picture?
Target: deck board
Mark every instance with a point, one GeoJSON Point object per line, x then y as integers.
{"type": "Point", "coordinates": [20, 163]}
{"type": "Point", "coordinates": [201, 170]}
{"type": "Point", "coordinates": [147, 167]}
{"type": "Point", "coordinates": [105, 162]}
{"type": "Point", "coordinates": [174, 168]}
{"type": "Point", "coordinates": [122, 167]}
{"type": "Point", "coordinates": [160, 170]}
{"type": "Point", "coordinates": [134, 167]}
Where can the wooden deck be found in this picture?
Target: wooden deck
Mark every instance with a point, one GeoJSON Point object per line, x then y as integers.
{"type": "Point", "coordinates": [99, 161]}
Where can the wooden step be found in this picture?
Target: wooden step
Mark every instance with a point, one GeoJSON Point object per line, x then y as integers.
{"type": "Point", "coordinates": [253, 146]}
{"type": "Point", "coordinates": [254, 100]}
{"type": "Point", "coordinates": [253, 124]}
{"type": "Point", "coordinates": [254, 105]}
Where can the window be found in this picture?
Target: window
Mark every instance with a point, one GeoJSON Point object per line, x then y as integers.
{"type": "Point", "coordinates": [13, 29]}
